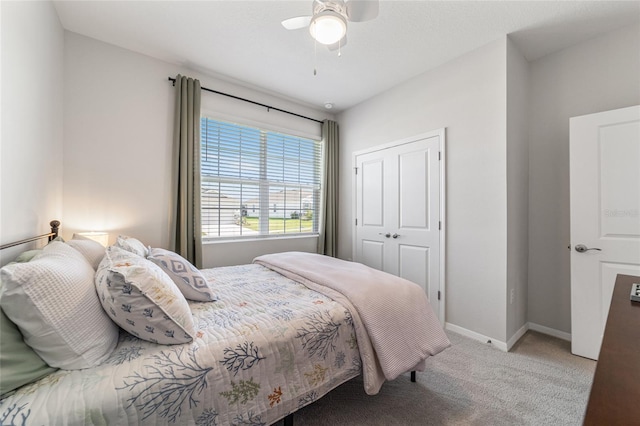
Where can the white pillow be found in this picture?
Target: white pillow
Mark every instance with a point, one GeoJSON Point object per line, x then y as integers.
{"type": "Point", "coordinates": [92, 250]}
{"type": "Point", "coordinates": [54, 303]}
{"type": "Point", "coordinates": [142, 299]}
{"type": "Point", "coordinates": [187, 277]}
{"type": "Point", "coordinates": [132, 245]}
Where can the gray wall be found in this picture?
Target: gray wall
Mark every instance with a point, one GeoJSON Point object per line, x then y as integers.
{"type": "Point", "coordinates": [118, 125]}
{"type": "Point", "coordinates": [517, 191]}
{"type": "Point", "coordinates": [506, 229]}
{"type": "Point", "coordinates": [31, 136]}
{"type": "Point", "coordinates": [468, 97]}
{"type": "Point", "coordinates": [597, 75]}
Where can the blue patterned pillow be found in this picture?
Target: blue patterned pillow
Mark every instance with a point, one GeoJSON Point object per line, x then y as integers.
{"type": "Point", "coordinates": [142, 299]}
{"type": "Point", "coordinates": [189, 280]}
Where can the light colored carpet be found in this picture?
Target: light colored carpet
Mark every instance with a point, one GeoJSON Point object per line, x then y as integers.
{"type": "Point", "coordinates": [538, 383]}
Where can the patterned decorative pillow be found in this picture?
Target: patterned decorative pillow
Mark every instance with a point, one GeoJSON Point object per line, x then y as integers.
{"type": "Point", "coordinates": [93, 251]}
{"type": "Point", "coordinates": [142, 299]}
{"type": "Point", "coordinates": [132, 245]}
{"type": "Point", "coordinates": [53, 301]}
{"type": "Point", "coordinates": [187, 277]}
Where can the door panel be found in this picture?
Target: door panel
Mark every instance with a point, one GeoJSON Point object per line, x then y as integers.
{"type": "Point", "coordinates": [373, 193]}
{"type": "Point", "coordinates": [414, 264]}
{"type": "Point", "coordinates": [619, 169]}
{"type": "Point", "coordinates": [372, 211]}
{"type": "Point", "coordinates": [373, 254]}
{"type": "Point", "coordinates": [608, 272]}
{"type": "Point", "coordinates": [413, 190]}
{"type": "Point", "coordinates": [605, 217]}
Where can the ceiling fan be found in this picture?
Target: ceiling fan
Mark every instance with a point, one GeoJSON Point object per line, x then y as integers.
{"type": "Point", "coordinates": [328, 24]}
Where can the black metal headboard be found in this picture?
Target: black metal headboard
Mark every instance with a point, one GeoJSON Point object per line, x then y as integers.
{"type": "Point", "coordinates": [55, 224]}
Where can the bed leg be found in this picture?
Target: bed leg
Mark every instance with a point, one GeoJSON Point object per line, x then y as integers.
{"type": "Point", "coordinates": [413, 376]}
{"type": "Point", "coordinates": [288, 421]}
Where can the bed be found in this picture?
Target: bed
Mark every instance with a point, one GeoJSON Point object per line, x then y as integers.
{"type": "Point", "coordinates": [263, 341]}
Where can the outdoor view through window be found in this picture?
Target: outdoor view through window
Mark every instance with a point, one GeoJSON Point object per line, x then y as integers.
{"type": "Point", "coordinates": [257, 183]}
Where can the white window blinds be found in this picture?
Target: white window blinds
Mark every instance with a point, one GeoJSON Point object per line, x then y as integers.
{"type": "Point", "coordinates": [258, 183]}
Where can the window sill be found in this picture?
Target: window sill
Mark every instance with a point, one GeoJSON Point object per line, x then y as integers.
{"type": "Point", "coordinates": [253, 240]}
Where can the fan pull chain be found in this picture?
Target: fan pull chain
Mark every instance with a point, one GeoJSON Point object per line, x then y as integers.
{"type": "Point", "coordinates": [315, 56]}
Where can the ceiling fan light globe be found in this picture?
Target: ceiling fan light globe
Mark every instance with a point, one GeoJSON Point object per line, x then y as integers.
{"type": "Point", "coordinates": [328, 27]}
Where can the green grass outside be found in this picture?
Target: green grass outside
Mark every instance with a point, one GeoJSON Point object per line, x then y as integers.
{"type": "Point", "coordinates": [277, 226]}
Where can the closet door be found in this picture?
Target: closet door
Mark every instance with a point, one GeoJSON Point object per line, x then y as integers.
{"type": "Point", "coordinates": [397, 224]}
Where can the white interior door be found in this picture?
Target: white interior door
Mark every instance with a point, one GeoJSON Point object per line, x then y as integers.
{"type": "Point", "coordinates": [605, 217]}
{"type": "Point", "coordinates": [398, 190]}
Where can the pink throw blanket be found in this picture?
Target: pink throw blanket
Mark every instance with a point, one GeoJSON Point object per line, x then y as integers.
{"type": "Point", "coordinates": [395, 326]}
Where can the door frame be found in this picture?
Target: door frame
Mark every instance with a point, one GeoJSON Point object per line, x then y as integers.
{"type": "Point", "coordinates": [441, 133]}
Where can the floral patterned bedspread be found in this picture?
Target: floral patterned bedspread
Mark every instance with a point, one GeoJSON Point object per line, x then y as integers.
{"type": "Point", "coordinates": [268, 347]}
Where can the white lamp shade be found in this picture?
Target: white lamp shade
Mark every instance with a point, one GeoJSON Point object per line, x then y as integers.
{"type": "Point", "coordinates": [101, 237]}
{"type": "Point", "coordinates": [328, 27]}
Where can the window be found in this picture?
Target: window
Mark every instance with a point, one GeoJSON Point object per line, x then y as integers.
{"type": "Point", "coordinates": [258, 183]}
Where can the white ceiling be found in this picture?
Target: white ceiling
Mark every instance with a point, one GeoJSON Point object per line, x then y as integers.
{"type": "Point", "coordinates": [243, 41]}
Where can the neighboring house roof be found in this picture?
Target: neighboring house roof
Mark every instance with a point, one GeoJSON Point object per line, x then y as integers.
{"type": "Point", "coordinates": [211, 196]}
{"type": "Point", "coordinates": [289, 196]}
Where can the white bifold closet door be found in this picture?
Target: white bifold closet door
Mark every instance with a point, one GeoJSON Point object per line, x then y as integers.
{"type": "Point", "coordinates": [397, 224]}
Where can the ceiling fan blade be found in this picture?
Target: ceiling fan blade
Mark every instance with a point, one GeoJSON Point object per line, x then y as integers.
{"type": "Point", "coordinates": [338, 45]}
{"type": "Point", "coordinates": [297, 22]}
{"type": "Point", "coordinates": [362, 10]}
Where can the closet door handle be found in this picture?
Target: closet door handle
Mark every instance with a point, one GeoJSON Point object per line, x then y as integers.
{"type": "Point", "coordinates": [396, 235]}
{"type": "Point", "coordinates": [387, 235]}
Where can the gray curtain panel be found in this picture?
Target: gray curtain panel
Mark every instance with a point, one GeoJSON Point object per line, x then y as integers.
{"type": "Point", "coordinates": [328, 241]}
{"type": "Point", "coordinates": [186, 228]}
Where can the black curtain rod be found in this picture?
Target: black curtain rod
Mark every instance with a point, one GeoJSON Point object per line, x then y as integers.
{"type": "Point", "coordinates": [268, 107]}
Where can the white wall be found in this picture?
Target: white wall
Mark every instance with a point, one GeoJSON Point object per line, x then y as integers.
{"type": "Point", "coordinates": [468, 97]}
{"type": "Point", "coordinates": [118, 110]}
{"type": "Point", "coordinates": [597, 75]}
{"type": "Point", "coordinates": [239, 253]}
{"type": "Point", "coordinates": [31, 126]}
{"type": "Point", "coordinates": [517, 190]}
{"type": "Point", "coordinates": [118, 136]}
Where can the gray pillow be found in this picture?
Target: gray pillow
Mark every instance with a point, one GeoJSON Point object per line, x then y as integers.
{"type": "Point", "coordinates": [186, 277]}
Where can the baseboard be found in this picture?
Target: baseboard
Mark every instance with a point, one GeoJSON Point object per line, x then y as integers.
{"type": "Point", "coordinates": [506, 347]}
{"type": "Point", "coordinates": [517, 336]}
{"type": "Point", "coordinates": [550, 331]}
{"type": "Point", "coordinates": [476, 336]}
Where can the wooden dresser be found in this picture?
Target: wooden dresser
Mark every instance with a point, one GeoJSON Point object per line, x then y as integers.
{"type": "Point", "coordinates": [615, 392]}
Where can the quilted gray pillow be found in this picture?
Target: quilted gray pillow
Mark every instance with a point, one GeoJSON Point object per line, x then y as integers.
{"type": "Point", "coordinates": [187, 277]}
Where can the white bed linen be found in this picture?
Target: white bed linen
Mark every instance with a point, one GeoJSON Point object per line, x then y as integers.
{"type": "Point", "coordinates": [268, 347]}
